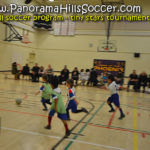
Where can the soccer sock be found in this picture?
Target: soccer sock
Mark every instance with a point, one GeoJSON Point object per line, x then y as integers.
{"type": "Point", "coordinates": [49, 102]}
{"type": "Point", "coordinates": [44, 105]}
{"type": "Point", "coordinates": [49, 120]}
{"type": "Point", "coordinates": [111, 106]}
{"type": "Point", "coordinates": [78, 111]}
{"type": "Point", "coordinates": [121, 112]}
{"type": "Point", "coordinates": [66, 127]}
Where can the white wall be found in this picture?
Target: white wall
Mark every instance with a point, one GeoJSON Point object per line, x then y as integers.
{"type": "Point", "coordinates": [75, 51]}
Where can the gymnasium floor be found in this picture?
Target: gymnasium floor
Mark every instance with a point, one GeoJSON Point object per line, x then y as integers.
{"type": "Point", "coordinates": [22, 126]}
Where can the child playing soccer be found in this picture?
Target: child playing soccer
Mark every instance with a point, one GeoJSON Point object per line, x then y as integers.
{"type": "Point", "coordinates": [72, 103]}
{"type": "Point", "coordinates": [114, 98]}
{"type": "Point", "coordinates": [46, 92]}
{"type": "Point", "coordinates": [57, 106]}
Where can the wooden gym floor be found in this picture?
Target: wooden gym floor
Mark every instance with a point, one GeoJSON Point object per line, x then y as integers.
{"type": "Point", "coordinates": [22, 126]}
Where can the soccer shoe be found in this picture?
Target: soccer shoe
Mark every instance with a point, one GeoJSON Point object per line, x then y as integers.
{"type": "Point", "coordinates": [47, 127]}
{"type": "Point", "coordinates": [45, 109]}
{"type": "Point", "coordinates": [67, 133]}
{"type": "Point", "coordinates": [112, 110]}
{"type": "Point", "coordinates": [84, 110]}
{"type": "Point", "coordinates": [121, 117]}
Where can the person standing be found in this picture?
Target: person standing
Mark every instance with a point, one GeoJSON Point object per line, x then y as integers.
{"type": "Point", "coordinates": [15, 71]}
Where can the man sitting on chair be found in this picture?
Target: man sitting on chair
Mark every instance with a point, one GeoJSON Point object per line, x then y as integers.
{"type": "Point", "coordinates": [133, 80]}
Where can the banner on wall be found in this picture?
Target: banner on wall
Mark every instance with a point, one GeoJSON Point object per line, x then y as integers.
{"type": "Point", "coordinates": [109, 66]}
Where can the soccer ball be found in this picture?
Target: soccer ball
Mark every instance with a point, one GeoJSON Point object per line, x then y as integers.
{"type": "Point", "coordinates": [18, 101]}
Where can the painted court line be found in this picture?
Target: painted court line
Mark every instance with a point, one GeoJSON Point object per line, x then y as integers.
{"type": "Point", "coordinates": [135, 145]}
{"type": "Point", "coordinates": [90, 124]}
{"type": "Point", "coordinates": [84, 126]}
{"type": "Point", "coordinates": [26, 113]}
{"type": "Point", "coordinates": [111, 118]}
{"type": "Point", "coordinates": [57, 137]}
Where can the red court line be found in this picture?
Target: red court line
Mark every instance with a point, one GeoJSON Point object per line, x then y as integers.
{"type": "Point", "coordinates": [99, 126]}
{"type": "Point", "coordinates": [27, 113]}
{"type": "Point", "coordinates": [7, 102]}
{"type": "Point", "coordinates": [139, 114]}
{"type": "Point", "coordinates": [115, 128]}
{"type": "Point", "coordinates": [25, 96]}
{"type": "Point", "coordinates": [140, 104]}
{"type": "Point", "coordinates": [111, 118]}
{"type": "Point", "coordinates": [143, 135]}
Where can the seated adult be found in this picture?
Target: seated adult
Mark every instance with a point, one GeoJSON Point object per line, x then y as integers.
{"type": "Point", "coordinates": [49, 72]}
{"type": "Point", "coordinates": [133, 80]}
{"type": "Point", "coordinates": [87, 75]}
{"type": "Point", "coordinates": [143, 80]}
{"type": "Point", "coordinates": [35, 73]}
{"type": "Point", "coordinates": [41, 71]}
{"type": "Point", "coordinates": [26, 71]}
{"type": "Point", "coordinates": [75, 75]}
{"type": "Point", "coordinates": [93, 77]}
{"type": "Point", "coordinates": [64, 74]}
{"type": "Point", "coordinates": [119, 78]}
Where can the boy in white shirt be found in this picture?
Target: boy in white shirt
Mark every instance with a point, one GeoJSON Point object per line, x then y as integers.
{"type": "Point", "coordinates": [114, 98]}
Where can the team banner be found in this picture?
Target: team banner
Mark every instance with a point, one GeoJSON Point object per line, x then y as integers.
{"type": "Point", "coordinates": [109, 66]}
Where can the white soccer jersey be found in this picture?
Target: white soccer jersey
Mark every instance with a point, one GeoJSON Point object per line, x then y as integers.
{"type": "Point", "coordinates": [113, 87]}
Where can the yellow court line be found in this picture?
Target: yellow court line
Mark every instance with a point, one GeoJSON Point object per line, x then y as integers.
{"type": "Point", "coordinates": [135, 138]}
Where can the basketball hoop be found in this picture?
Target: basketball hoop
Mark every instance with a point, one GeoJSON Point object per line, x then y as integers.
{"type": "Point", "coordinates": [103, 46]}
{"type": "Point", "coordinates": [25, 39]}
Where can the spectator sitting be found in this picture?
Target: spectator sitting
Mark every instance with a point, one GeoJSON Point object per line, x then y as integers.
{"type": "Point", "coordinates": [75, 75]}
{"type": "Point", "coordinates": [133, 80]}
{"type": "Point", "coordinates": [64, 75]}
{"type": "Point", "coordinates": [82, 76]}
{"type": "Point", "coordinates": [35, 73]}
{"type": "Point", "coordinates": [41, 71]}
{"type": "Point", "coordinates": [26, 71]}
{"type": "Point", "coordinates": [49, 72]}
{"type": "Point", "coordinates": [119, 78]}
{"type": "Point", "coordinates": [93, 77]}
{"type": "Point", "coordinates": [143, 81]}
{"type": "Point", "coordinates": [148, 90]}
{"type": "Point", "coordinates": [87, 74]}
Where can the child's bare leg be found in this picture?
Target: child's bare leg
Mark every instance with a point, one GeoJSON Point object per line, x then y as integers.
{"type": "Point", "coordinates": [66, 128]}
{"type": "Point", "coordinates": [65, 124]}
{"type": "Point", "coordinates": [49, 122]}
